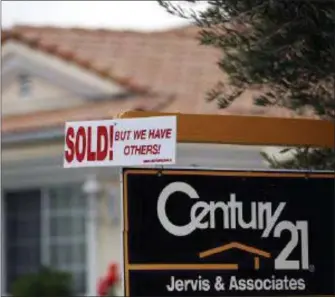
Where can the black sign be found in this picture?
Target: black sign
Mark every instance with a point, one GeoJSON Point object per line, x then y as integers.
{"type": "Point", "coordinates": [220, 233]}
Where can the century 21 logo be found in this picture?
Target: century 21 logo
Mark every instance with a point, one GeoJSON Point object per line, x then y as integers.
{"type": "Point", "coordinates": [262, 218]}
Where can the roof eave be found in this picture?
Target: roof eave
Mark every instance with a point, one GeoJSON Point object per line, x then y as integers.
{"type": "Point", "coordinates": [32, 136]}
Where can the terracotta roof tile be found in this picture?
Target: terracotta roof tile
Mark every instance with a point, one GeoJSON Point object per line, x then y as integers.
{"type": "Point", "coordinates": [68, 46]}
{"type": "Point", "coordinates": [90, 111]}
{"type": "Point", "coordinates": [170, 62]}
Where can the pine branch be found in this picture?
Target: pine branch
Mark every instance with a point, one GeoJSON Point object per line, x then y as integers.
{"type": "Point", "coordinates": [287, 47]}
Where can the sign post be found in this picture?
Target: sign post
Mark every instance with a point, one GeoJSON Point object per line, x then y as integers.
{"type": "Point", "coordinates": [220, 233]}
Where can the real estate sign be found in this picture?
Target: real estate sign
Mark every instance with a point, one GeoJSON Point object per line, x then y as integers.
{"type": "Point", "coordinates": [120, 142]}
{"type": "Point", "coordinates": [224, 233]}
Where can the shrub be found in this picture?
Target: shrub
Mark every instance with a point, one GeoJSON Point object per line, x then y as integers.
{"type": "Point", "coordinates": [45, 283]}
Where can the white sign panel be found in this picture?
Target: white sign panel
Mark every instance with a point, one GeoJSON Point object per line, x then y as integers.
{"type": "Point", "coordinates": [122, 142]}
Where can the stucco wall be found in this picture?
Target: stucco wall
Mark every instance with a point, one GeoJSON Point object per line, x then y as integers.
{"type": "Point", "coordinates": [109, 231]}
{"type": "Point", "coordinates": [44, 96]}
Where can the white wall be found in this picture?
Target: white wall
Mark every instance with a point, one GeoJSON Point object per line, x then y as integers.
{"type": "Point", "coordinates": [44, 96]}
{"type": "Point", "coordinates": [109, 230]}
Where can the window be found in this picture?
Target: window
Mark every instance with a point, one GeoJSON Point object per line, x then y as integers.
{"type": "Point", "coordinates": [24, 86]}
{"type": "Point", "coordinates": [46, 227]}
{"type": "Point", "coordinates": [66, 245]}
{"type": "Point", "coordinates": [22, 215]}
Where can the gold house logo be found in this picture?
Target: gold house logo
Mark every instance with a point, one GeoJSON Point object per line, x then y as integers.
{"type": "Point", "coordinates": [236, 245]}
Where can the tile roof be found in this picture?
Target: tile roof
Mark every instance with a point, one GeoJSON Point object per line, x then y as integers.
{"type": "Point", "coordinates": [167, 64]}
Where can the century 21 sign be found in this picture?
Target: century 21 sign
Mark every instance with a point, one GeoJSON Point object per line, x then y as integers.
{"type": "Point", "coordinates": [233, 233]}
{"type": "Point", "coordinates": [264, 217]}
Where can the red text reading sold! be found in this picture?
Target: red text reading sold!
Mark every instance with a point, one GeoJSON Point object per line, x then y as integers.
{"type": "Point", "coordinates": [79, 144]}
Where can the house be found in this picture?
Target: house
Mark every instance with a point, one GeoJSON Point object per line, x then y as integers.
{"type": "Point", "coordinates": [52, 75]}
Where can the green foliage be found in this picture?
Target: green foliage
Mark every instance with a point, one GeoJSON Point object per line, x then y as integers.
{"type": "Point", "coordinates": [45, 283]}
{"type": "Point", "coordinates": [286, 46]}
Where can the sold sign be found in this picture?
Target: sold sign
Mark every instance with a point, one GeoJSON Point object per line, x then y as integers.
{"type": "Point", "coordinates": [121, 142]}
{"type": "Point", "coordinates": [79, 144]}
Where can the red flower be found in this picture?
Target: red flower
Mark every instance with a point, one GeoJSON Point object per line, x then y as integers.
{"type": "Point", "coordinates": [103, 287]}
{"type": "Point", "coordinates": [112, 276]}
{"type": "Point", "coordinates": [105, 284]}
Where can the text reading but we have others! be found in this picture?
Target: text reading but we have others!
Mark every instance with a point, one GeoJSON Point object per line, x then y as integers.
{"type": "Point", "coordinates": [103, 143]}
